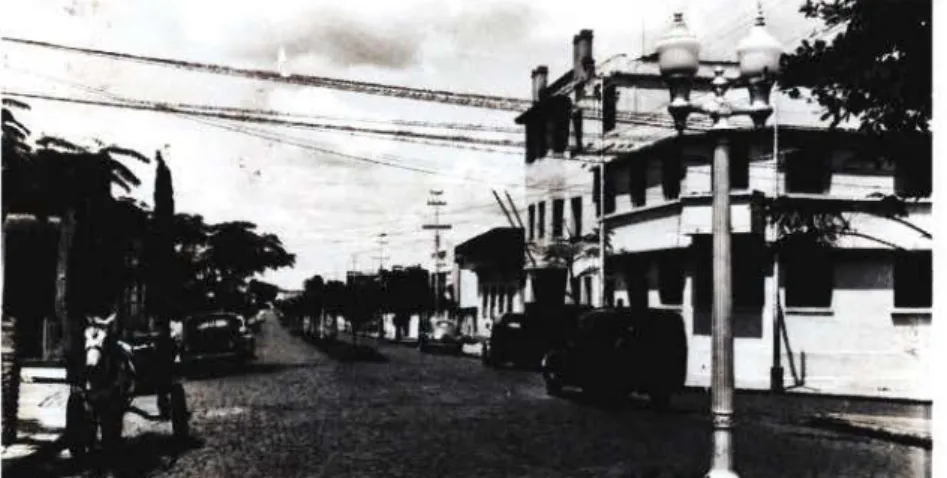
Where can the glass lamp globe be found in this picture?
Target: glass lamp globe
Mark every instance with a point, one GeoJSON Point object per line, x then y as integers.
{"type": "Point", "coordinates": [678, 50]}
{"type": "Point", "coordinates": [759, 53]}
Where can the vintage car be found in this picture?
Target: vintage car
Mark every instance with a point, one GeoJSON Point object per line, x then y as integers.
{"type": "Point", "coordinates": [615, 352]}
{"type": "Point", "coordinates": [524, 338]}
{"type": "Point", "coordinates": [217, 335]}
{"type": "Point", "coordinates": [444, 335]}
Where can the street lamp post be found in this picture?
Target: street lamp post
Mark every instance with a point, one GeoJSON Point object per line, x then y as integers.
{"type": "Point", "coordinates": [758, 54]}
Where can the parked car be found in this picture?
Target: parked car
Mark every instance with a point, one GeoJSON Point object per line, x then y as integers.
{"type": "Point", "coordinates": [524, 338]}
{"type": "Point", "coordinates": [615, 352]}
{"type": "Point", "coordinates": [516, 338]}
{"type": "Point", "coordinates": [218, 335]}
{"type": "Point", "coordinates": [444, 335]}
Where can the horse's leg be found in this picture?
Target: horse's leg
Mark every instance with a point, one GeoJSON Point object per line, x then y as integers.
{"type": "Point", "coordinates": [112, 422]}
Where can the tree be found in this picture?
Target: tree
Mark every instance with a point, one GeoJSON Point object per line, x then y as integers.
{"type": "Point", "coordinates": [364, 301]}
{"type": "Point", "coordinates": [877, 69]}
{"type": "Point", "coordinates": [407, 291]}
{"type": "Point", "coordinates": [313, 299]}
{"type": "Point", "coordinates": [16, 157]}
{"type": "Point", "coordinates": [216, 261]}
{"type": "Point", "coordinates": [335, 301]}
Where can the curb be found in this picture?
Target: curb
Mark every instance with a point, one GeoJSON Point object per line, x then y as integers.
{"type": "Point", "coordinates": [843, 425]}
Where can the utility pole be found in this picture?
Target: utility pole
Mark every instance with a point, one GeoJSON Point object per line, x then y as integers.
{"type": "Point", "coordinates": [382, 242]}
{"type": "Point", "coordinates": [436, 202]}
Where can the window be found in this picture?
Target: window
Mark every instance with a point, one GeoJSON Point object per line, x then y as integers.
{"type": "Point", "coordinates": [562, 119]}
{"type": "Point", "coordinates": [540, 135]}
{"type": "Point", "coordinates": [541, 225]}
{"type": "Point", "coordinates": [531, 211]}
{"type": "Point", "coordinates": [746, 272]}
{"type": "Point", "coordinates": [671, 279]}
{"type": "Point", "coordinates": [596, 191]}
{"type": "Point", "coordinates": [913, 175]}
{"type": "Point", "coordinates": [609, 194]}
{"type": "Point", "coordinates": [636, 281]}
{"type": "Point", "coordinates": [739, 165]}
{"type": "Point", "coordinates": [577, 215]}
{"type": "Point", "coordinates": [557, 217]}
{"type": "Point", "coordinates": [637, 182]}
{"type": "Point", "coordinates": [808, 276]}
{"type": "Point", "coordinates": [913, 279]}
{"type": "Point", "coordinates": [807, 171]}
{"type": "Point", "coordinates": [551, 125]}
{"type": "Point", "coordinates": [609, 104]}
{"type": "Point", "coordinates": [671, 175]}
{"type": "Point", "coordinates": [577, 128]}
{"type": "Point", "coordinates": [748, 259]}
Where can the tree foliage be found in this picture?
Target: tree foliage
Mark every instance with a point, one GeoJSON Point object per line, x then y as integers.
{"type": "Point", "coordinates": [877, 69]}
{"type": "Point", "coordinates": [215, 262]}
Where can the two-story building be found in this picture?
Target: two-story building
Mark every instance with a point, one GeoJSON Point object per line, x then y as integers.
{"type": "Point", "coordinates": [851, 318]}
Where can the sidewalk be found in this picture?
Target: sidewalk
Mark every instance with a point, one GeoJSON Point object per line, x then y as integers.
{"type": "Point", "coordinates": [41, 418]}
{"type": "Point", "coordinates": [908, 430]}
{"type": "Point", "coordinates": [901, 422]}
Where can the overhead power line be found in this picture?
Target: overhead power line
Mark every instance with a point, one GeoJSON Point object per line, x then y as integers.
{"type": "Point", "coordinates": [475, 100]}
{"type": "Point", "coordinates": [423, 94]}
{"type": "Point", "coordinates": [201, 110]}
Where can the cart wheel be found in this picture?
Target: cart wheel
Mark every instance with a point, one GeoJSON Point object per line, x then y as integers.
{"type": "Point", "coordinates": [179, 413]}
{"type": "Point", "coordinates": [79, 427]}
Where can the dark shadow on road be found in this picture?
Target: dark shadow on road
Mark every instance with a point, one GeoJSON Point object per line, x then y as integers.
{"type": "Point", "coordinates": [348, 352]}
{"type": "Point", "coordinates": [634, 403]}
{"type": "Point", "coordinates": [220, 368]}
{"type": "Point", "coordinates": [138, 456]}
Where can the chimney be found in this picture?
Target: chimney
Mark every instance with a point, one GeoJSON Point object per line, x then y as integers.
{"type": "Point", "coordinates": [540, 77]}
{"type": "Point", "coordinates": [583, 64]}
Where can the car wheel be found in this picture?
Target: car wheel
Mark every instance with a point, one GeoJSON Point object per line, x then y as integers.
{"type": "Point", "coordinates": [489, 357]}
{"type": "Point", "coordinates": [551, 375]}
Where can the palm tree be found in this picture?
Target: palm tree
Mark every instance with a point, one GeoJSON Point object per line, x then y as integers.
{"type": "Point", "coordinates": [566, 252]}
{"type": "Point", "coordinates": [16, 154]}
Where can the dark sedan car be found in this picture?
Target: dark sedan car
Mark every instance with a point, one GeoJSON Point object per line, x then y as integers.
{"type": "Point", "coordinates": [221, 335]}
{"type": "Point", "coordinates": [524, 338]}
{"type": "Point", "coordinates": [615, 352]}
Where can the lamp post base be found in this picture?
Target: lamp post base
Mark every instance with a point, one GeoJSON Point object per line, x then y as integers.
{"type": "Point", "coordinates": [721, 473]}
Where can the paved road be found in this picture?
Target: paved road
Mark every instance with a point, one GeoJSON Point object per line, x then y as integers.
{"type": "Point", "coordinates": [299, 413]}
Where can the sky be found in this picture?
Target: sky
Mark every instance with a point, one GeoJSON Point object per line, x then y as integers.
{"type": "Point", "coordinates": [327, 209]}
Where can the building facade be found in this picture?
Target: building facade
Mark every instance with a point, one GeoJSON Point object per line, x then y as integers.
{"type": "Point", "coordinates": [489, 278]}
{"type": "Point", "coordinates": [850, 314]}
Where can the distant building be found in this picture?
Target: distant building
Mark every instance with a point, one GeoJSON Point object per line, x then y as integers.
{"type": "Point", "coordinates": [489, 277]}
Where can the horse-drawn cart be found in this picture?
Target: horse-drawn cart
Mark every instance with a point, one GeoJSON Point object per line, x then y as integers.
{"type": "Point", "coordinates": [113, 373]}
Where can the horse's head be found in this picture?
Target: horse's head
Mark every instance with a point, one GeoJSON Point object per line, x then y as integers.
{"type": "Point", "coordinates": [98, 334]}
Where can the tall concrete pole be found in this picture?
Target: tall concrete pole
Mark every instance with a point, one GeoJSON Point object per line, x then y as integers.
{"type": "Point", "coordinates": [722, 366]}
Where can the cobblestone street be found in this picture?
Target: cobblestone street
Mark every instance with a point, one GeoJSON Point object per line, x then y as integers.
{"type": "Point", "coordinates": [297, 412]}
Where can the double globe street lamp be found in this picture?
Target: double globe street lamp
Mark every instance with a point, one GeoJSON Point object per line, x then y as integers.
{"type": "Point", "coordinates": [678, 58]}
